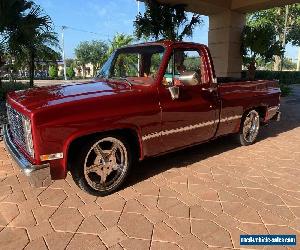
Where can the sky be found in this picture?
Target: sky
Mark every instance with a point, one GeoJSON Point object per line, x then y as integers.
{"type": "Point", "coordinates": [101, 19]}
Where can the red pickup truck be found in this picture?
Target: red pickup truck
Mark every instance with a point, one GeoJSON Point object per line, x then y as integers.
{"type": "Point", "coordinates": [147, 100]}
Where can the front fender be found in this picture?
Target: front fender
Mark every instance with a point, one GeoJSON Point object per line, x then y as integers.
{"type": "Point", "coordinates": [88, 132]}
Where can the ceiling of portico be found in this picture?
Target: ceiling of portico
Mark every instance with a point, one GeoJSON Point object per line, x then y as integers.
{"type": "Point", "coordinates": [208, 7]}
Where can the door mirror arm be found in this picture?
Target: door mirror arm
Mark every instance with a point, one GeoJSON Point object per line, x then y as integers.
{"type": "Point", "coordinates": [210, 89]}
{"type": "Point", "coordinates": [174, 91]}
{"type": "Point", "coordinates": [213, 87]}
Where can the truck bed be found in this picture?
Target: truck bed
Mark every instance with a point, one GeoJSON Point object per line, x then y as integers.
{"type": "Point", "coordinates": [222, 80]}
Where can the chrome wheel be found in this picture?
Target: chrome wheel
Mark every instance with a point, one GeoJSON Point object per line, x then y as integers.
{"type": "Point", "coordinates": [105, 164]}
{"type": "Point", "coordinates": [251, 126]}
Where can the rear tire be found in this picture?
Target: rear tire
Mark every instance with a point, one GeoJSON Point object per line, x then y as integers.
{"type": "Point", "coordinates": [249, 128]}
{"type": "Point", "coordinates": [102, 165]}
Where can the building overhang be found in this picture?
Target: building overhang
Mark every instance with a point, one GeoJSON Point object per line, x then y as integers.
{"type": "Point", "coordinates": [209, 7]}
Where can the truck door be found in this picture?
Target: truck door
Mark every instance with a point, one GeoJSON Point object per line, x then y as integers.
{"type": "Point", "coordinates": [193, 116]}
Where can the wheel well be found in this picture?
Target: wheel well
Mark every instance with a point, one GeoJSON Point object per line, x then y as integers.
{"type": "Point", "coordinates": [262, 111]}
{"type": "Point", "coordinates": [129, 134]}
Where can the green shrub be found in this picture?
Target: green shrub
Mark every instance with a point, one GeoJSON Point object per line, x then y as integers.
{"type": "Point", "coordinates": [285, 89]}
{"type": "Point", "coordinates": [284, 77]}
{"type": "Point", "coordinates": [70, 72]}
{"type": "Point", "coordinates": [11, 86]}
{"type": "Point", "coordinates": [53, 72]}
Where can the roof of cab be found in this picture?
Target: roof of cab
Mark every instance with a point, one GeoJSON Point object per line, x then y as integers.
{"type": "Point", "coordinates": [164, 43]}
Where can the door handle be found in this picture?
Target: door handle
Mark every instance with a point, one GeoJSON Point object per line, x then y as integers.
{"type": "Point", "coordinates": [210, 90]}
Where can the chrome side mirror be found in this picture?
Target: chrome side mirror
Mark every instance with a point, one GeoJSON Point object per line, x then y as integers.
{"type": "Point", "coordinates": [174, 91]}
{"type": "Point", "coordinates": [189, 78]}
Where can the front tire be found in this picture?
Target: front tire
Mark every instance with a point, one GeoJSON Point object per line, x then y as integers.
{"type": "Point", "coordinates": [249, 128]}
{"type": "Point", "coordinates": [102, 165]}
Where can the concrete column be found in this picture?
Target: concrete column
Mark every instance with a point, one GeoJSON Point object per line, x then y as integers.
{"type": "Point", "coordinates": [224, 42]}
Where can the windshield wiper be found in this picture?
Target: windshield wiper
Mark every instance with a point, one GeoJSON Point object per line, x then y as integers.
{"type": "Point", "coordinates": [123, 79]}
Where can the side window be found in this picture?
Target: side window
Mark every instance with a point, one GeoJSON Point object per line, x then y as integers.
{"type": "Point", "coordinates": [155, 62]}
{"type": "Point", "coordinates": [187, 68]}
{"type": "Point", "coordinates": [192, 61]}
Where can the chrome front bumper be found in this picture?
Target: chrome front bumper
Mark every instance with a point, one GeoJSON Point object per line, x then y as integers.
{"type": "Point", "coordinates": [39, 175]}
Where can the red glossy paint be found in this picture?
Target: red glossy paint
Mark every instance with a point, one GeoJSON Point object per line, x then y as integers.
{"type": "Point", "coordinates": [60, 114]}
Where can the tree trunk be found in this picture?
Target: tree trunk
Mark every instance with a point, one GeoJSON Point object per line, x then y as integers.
{"type": "Point", "coordinates": [277, 63]}
{"type": "Point", "coordinates": [31, 68]}
{"type": "Point", "coordinates": [94, 70]}
{"type": "Point", "coordinates": [1, 64]}
{"type": "Point", "coordinates": [251, 71]}
{"type": "Point", "coordinates": [83, 71]}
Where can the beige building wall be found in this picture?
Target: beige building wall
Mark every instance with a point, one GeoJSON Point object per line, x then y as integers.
{"type": "Point", "coordinates": [88, 71]}
{"type": "Point", "coordinates": [60, 68]}
{"type": "Point", "coordinates": [224, 41]}
{"type": "Point", "coordinates": [78, 71]}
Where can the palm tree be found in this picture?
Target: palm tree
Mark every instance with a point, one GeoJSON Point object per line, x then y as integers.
{"type": "Point", "coordinates": [165, 21]}
{"type": "Point", "coordinates": [34, 38]}
{"type": "Point", "coordinates": [10, 12]}
{"type": "Point", "coordinates": [29, 34]}
{"type": "Point", "coordinates": [119, 41]}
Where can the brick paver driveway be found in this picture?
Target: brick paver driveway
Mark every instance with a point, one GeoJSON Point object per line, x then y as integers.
{"type": "Point", "coordinates": [198, 198]}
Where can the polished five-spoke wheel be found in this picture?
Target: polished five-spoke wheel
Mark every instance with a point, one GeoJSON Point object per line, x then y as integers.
{"type": "Point", "coordinates": [249, 128]}
{"type": "Point", "coordinates": [103, 165]}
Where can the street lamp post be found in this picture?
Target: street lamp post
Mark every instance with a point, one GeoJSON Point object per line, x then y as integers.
{"type": "Point", "coordinates": [284, 33]}
{"type": "Point", "coordinates": [298, 62]}
{"type": "Point", "coordinates": [138, 11]}
{"type": "Point", "coordinates": [284, 39]}
{"type": "Point", "coordinates": [63, 50]}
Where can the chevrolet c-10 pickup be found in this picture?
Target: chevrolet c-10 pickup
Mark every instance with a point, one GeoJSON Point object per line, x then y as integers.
{"type": "Point", "coordinates": [147, 99]}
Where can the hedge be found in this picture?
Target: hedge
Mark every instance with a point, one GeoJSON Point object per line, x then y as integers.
{"type": "Point", "coordinates": [284, 77]}
{"type": "Point", "coordinates": [11, 86]}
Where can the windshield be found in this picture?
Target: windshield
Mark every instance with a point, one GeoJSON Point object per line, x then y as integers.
{"type": "Point", "coordinates": [135, 64]}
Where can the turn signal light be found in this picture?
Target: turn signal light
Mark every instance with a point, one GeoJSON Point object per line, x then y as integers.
{"type": "Point", "coordinates": [52, 157]}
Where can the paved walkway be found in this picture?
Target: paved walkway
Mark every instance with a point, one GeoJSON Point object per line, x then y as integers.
{"type": "Point", "coordinates": [199, 198]}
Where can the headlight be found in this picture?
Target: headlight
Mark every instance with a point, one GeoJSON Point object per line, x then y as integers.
{"type": "Point", "coordinates": [28, 135]}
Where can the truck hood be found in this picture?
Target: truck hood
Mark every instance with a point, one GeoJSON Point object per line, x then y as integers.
{"type": "Point", "coordinates": [39, 97]}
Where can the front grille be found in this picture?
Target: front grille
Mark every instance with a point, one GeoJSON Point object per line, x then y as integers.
{"type": "Point", "coordinates": [16, 126]}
